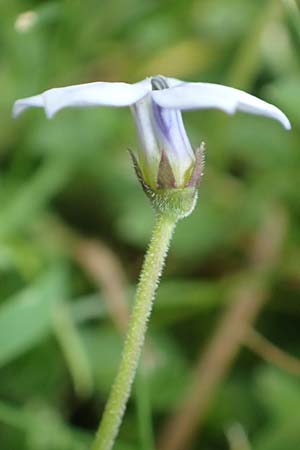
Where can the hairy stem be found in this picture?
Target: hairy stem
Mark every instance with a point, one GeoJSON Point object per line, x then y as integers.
{"type": "Point", "coordinates": [151, 272]}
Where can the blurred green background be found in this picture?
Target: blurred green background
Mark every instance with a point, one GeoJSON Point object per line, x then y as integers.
{"type": "Point", "coordinates": [74, 224]}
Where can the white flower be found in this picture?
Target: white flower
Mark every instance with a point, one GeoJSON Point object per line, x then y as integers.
{"type": "Point", "coordinates": [156, 104]}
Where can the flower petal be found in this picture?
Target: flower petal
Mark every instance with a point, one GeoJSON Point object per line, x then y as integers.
{"type": "Point", "coordinates": [190, 96]}
{"type": "Point", "coordinates": [172, 82]}
{"type": "Point", "coordinates": [90, 94]}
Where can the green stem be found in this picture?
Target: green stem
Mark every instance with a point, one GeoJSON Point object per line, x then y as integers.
{"type": "Point", "coordinates": [144, 408]}
{"type": "Point", "coordinates": [148, 283]}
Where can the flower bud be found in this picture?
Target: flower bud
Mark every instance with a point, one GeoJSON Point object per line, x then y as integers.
{"type": "Point", "coordinates": [166, 159]}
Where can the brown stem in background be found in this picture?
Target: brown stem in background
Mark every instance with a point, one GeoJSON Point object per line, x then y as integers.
{"type": "Point", "coordinates": [268, 351]}
{"type": "Point", "coordinates": [105, 269]}
{"type": "Point", "coordinates": [246, 301]}
{"type": "Point", "coordinates": [101, 266]}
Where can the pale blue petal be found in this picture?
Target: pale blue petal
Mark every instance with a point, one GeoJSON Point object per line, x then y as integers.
{"type": "Point", "coordinates": [189, 96]}
{"type": "Point", "coordinates": [82, 95]}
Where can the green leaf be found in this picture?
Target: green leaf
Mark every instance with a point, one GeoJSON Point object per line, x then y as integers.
{"type": "Point", "coordinates": [26, 317]}
{"type": "Point", "coordinates": [281, 395]}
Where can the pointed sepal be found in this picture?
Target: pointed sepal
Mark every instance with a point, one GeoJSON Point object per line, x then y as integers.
{"type": "Point", "coordinates": [198, 170]}
{"type": "Point", "coordinates": [165, 176]}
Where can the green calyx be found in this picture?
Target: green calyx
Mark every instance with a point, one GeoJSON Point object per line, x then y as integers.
{"type": "Point", "coordinates": [174, 203]}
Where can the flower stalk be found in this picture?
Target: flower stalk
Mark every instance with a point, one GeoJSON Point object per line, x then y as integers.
{"type": "Point", "coordinates": [150, 275]}
{"type": "Point", "coordinates": [170, 205]}
{"type": "Point", "coordinates": [169, 171]}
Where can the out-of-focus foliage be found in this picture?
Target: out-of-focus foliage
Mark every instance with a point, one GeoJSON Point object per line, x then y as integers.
{"type": "Point", "coordinates": [59, 349]}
